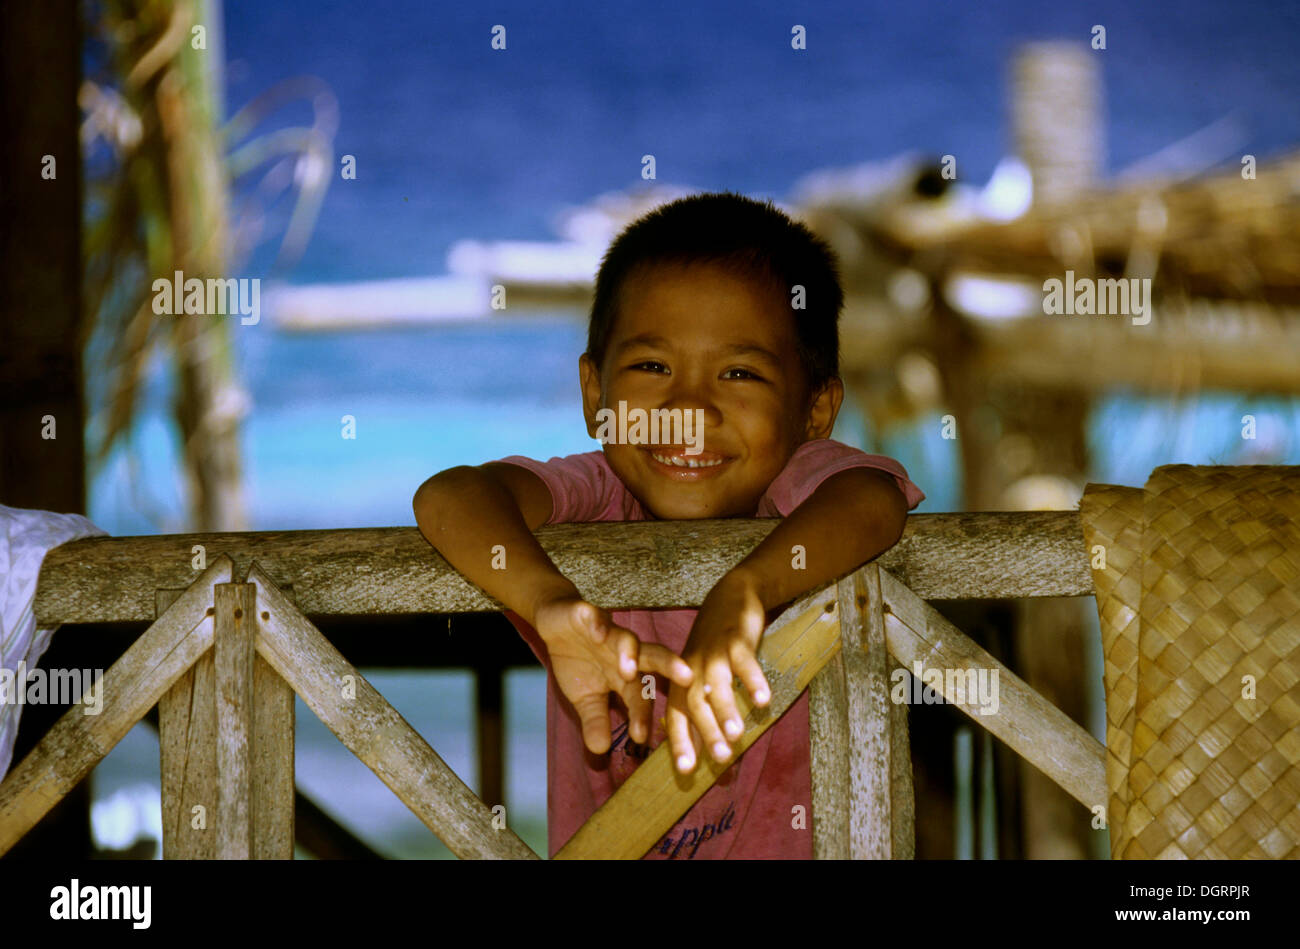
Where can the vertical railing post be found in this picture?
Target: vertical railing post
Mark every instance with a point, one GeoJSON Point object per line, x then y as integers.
{"type": "Point", "coordinates": [273, 771]}
{"type": "Point", "coordinates": [226, 735]}
{"type": "Point", "coordinates": [234, 650]}
{"type": "Point", "coordinates": [861, 764]}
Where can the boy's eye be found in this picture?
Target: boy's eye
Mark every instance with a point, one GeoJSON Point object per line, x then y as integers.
{"type": "Point", "coordinates": [746, 372]}
{"type": "Point", "coordinates": [649, 362]}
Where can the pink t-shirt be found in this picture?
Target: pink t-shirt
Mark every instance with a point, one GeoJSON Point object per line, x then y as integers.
{"type": "Point", "coordinates": [748, 811]}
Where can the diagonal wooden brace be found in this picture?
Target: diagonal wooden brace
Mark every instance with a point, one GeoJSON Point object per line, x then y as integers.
{"type": "Point", "coordinates": [374, 731]}
{"type": "Point", "coordinates": [1032, 726]}
{"type": "Point", "coordinates": [132, 686]}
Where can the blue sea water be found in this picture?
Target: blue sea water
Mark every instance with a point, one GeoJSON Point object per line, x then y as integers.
{"type": "Point", "coordinates": [454, 140]}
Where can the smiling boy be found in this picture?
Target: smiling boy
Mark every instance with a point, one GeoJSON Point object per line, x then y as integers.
{"type": "Point", "coordinates": [723, 308]}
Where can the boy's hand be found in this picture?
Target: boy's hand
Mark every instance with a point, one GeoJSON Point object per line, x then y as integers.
{"type": "Point", "coordinates": [592, 657]}
{"type": "Point", "coordinates": [723, 644]}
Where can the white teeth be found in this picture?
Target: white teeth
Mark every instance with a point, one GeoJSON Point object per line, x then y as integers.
{"type": "Point", "coordinates": [686, 462]}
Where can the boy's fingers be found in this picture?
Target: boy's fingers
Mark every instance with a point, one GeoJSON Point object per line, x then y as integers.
{"type": "Point", "coordinates": [703, 719]}
{"type": "Point", "coordinates": [723, 702]}
{"type": "Point", "coordinates": [593, 711]}
{"type": "Point", "coordinates": [596, 625]}
{"type": "Point", "coordinates": [626, 645]}
{"type": "Point", "coordinates": [661, 659]}
{"type": "Point", "coordinates": [751, 674]}
{"type": "Point", "coordinates": [639, 710]}
{"type": "Point", "coordinates": [677, 725]}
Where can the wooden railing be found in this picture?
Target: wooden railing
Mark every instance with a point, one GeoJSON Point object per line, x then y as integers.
{"type": "Point", "coordinates": [232, 640]}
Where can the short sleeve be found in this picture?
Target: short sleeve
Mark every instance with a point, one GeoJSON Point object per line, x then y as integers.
{"type": "Point", "coordinates": [815, 461]}
{"type": "Point", "coordinates": [583, 487]}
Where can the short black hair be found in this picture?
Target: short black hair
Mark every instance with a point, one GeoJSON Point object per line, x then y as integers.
{"type": "Point", "coordinates": [744, 237]}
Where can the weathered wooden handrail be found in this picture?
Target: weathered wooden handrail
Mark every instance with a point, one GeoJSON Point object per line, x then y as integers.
{"type": "Point", "coordinates": [861, 776]}
{"type": "Point", "coordinates": [626, 565]}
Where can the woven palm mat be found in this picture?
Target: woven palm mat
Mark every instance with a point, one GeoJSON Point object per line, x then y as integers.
{"type": "Point", "coordinates": [1199, 600]}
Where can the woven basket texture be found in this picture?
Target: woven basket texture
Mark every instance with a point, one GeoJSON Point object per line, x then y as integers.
{"type": "Point", "coordinates": [1199, 602]}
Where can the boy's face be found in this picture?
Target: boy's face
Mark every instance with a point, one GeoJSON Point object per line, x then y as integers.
{"type": "Point", "coordinates": [699, 338]}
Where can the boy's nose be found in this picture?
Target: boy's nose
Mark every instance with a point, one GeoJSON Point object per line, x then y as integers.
{"type": "Point", "coordinates": [690, 394]}
{"type": "Point", "coordinates": [709, 414]}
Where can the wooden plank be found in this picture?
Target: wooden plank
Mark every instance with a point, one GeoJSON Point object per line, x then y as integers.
{"type": "Point", "coordinates": [625, 565]}
{"type": "Point", "coordinates": [862, 775]}
{"type": "Point", "coordinates": [794, 649]}
{"type": "Point", "coordinates": [866, 662]}
{"type": "Point", "coordinates": [187, 741]}
{"type": "Point", "coordinates": [855, 762]}
{"type": "Point", "coordinates": [233, 652]}
{"type": "Point", "coordinates": [374, 732]}
{"type": "Point", "coordinates": [273, 764]}
{"type": "Point", "coordinates": [1033, 727]}
{"type": "Point", "coordinates": [903, 807]}
{"type": "Point", "coordinates": [132, 686]}
{"type": "Point", "coordinates": [828, 735]}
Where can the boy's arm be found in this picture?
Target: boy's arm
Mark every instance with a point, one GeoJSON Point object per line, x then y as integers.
{"type": "Point", "coordinates": [464, 513]}
{"type": "Point", "coordinates": [851, 517]}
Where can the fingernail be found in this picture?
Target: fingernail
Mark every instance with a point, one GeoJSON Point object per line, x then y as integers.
{"type": "Point", "coordinates": [721, 751]}
{"type": "Point", "coordinates": [733, 728]}
{"type": "Point", "coordinates": [760, 697]}
{"type": "Point", "coordinates": [684, 763]}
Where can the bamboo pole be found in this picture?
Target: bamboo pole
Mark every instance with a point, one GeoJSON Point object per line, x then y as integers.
{"type": "Point", "coordinates": [374, 732]}
{"type": "Point", "coordinates": [794, 649]}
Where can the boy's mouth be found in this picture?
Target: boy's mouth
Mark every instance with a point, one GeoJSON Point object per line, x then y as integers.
{"type": "Point", "coordinates": [674, 462]}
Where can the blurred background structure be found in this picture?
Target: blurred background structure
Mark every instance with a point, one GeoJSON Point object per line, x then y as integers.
{"type": "Point", "coordinates": [390, 168]}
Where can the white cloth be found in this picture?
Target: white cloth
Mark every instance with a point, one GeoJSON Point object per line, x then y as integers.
{"type": "Point", "coordinates": [25, 538]}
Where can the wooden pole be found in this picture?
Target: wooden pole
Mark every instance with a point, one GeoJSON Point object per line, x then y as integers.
{"type": "Point", "coordinates": [861, 762]}
{"type": "Point", "coordinates": [1056, 114]}
{"type": "Point", "coordinates": [625, 565]}
{"type": "Point", "coordinates": [233, 653]}
{"type": "Point", "coordinates": [42, 415]}
{"type": "Point", "coordinates": [187, 743]}
{"type": "Point", "coordinates": [188, 740]}
{"type": "Point", "coordinates": [274, 797]}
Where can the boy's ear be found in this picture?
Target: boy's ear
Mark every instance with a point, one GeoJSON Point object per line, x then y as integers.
{"type": "Point", "coordinates": [589, 379]}
{"type": "Point", "coordinates": [824, 408]}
